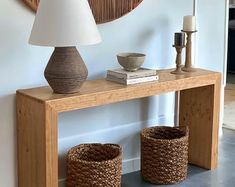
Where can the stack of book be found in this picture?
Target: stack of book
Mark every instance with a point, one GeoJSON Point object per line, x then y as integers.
{"type": "Point", "coordinates": [125, 77]}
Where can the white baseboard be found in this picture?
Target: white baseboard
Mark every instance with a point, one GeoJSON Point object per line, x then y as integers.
{"type": "Point", "coordinates": [130, 165]}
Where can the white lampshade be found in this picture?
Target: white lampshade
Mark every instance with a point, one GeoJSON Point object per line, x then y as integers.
{"type": "Point", "coordinates": [61, 23]}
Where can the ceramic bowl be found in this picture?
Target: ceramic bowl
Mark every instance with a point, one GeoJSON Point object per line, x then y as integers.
{"type": "Point", "coordinates": [131, 61]}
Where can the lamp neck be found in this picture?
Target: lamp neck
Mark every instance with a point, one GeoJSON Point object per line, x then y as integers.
{"type": "Point", "coordinates": [66, 49]}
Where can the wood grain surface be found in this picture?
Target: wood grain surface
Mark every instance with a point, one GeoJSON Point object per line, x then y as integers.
{"type": "Point", "coordinates": [199, 110]}
{"type": "Point", "coordinates": [38, 109]}
{"type": "Point", "coordinates": [37, 143]}
{"type": "Point", "coordinates": [103, 10]}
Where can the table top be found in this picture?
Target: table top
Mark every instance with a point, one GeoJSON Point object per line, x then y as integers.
{"type": "Point", "coordinates": [98, 92]}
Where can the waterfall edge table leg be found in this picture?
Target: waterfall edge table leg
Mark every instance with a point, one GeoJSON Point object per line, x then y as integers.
{"type": "Point", "coordinates": [37, 143]}
{"type": "Point", "coordinates": [199, 109]}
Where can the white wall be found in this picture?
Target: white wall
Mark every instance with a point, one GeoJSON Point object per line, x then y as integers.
{"type": "Point", "coordinates": [148, 29]}
{"type": "Point", "coordinates": [211, 20]}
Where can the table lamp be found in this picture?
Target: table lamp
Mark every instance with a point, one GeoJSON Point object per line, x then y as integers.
{"type": "Point", "coordinates": [63, 24]}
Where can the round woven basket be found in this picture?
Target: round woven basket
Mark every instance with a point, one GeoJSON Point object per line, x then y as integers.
{"type": "Point", "coordinates": [164, 154]}
{"type": "Point", "coordinates": [97, 165]}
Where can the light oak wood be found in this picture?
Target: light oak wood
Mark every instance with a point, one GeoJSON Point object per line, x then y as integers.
{"type": "Point", "coordinates": [38, 108]}
{"type": "Point", "coordinates": [199, 109]}
{"type": "Point", "coordinates": [100, 92]}
{"type": "Point", "coordinates": [37, 143]}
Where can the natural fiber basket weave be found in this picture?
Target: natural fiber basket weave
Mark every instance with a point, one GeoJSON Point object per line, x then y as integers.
{"type": "Point", "coordinates": [94, 165]}
{"type": "Point", "coordinates": [164, 154]}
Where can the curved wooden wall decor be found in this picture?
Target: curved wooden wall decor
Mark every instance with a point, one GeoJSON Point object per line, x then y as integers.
{"type": "Point", "coordinates": [109, 10]}
{"type": "Point", "coordinates": [103, 10]}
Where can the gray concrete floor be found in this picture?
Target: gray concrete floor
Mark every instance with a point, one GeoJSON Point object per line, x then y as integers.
{"type": "Point", "coordinates": [223, 176]}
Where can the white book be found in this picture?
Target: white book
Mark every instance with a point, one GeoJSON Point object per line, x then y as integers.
{"type": "Point", "coordinates": [132, 81]}
{"type": "Point", "coordinates": [142, 72]}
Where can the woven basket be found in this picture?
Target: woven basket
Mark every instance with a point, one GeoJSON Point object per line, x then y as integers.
{"type": "Point", "coordinates": [94, 165]}
{"type": "Point", "coordinates": [164, 154]}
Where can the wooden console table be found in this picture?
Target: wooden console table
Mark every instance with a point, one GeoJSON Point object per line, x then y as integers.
{"type": "Point", "coordinates": [38, 108]}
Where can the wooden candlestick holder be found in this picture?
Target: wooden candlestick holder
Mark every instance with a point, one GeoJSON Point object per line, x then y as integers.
{"type": "Point", "coordinates": [178, 70]}
{"type": "Point", "coordinates": [188, 59]}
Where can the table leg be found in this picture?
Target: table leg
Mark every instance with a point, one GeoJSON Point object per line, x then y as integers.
{"type": "Point", "coordinates": [200, 110]}
{"type": "Point", "coordinates": [37, 143]}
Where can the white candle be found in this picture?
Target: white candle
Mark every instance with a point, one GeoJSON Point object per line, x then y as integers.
{"type": "Point", "coordinates": [189, 23]}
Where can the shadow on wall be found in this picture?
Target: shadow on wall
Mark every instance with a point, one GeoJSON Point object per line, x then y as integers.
{"type": "Point", "coordinates": [102, 117]}
{"type": "Point", "coordinates": [8, 129]}
{"type": "Point", "coordinates": [153, 41]}
{"type": "Point", "coordinates": [22, 4]}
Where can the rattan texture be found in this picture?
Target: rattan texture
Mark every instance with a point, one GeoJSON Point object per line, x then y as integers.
{"type": "Point", "coordinates": [164, 154]}
{"type": "Point", "coordinates": [94, 165]}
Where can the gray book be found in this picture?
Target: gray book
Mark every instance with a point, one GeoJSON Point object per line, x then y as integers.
{"type": "Point", "coordinates": [132, 81]}
{"type": "Point", "coordinates": [142, 72]}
